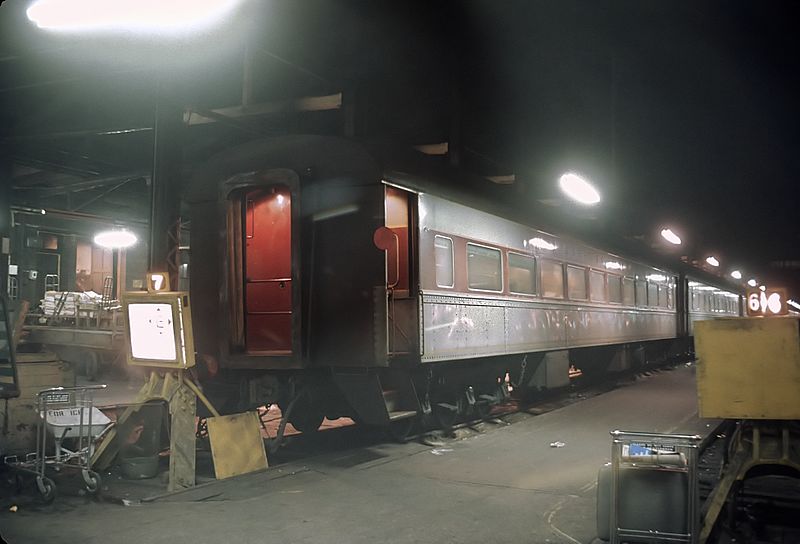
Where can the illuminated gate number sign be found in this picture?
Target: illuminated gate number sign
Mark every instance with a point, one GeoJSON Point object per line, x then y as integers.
{"type": "Point", "coordinates": [767, 303]}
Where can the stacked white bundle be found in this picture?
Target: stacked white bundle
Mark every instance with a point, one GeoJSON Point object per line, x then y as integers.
{"type": "Point", "coordinates": [68, 301]}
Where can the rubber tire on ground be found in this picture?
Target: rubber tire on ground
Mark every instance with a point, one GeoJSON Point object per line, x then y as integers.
{"type": "Point", "coordinates": [92, 481]}
{"type": "Point", "coordinates": [47, 489]}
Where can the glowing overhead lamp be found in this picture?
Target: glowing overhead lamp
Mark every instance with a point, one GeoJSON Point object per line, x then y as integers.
{"type": "Point", "coordinates": [578, 189]}
{"type": "Point", "coordinates": [762, 288]}
{"type": "Point", "coordinates": [712, 260]}
{"type": "Point", "coordinates": [670, 237]}
{"type": "Point", "coordinates": [614, 265]}
{"type": "Point", "coordinates": [139, 15]}
{"type": "Point", "coordinates": [115, 239]}
{"type": "Point", "coordinates": [656, 277]}
{"type": "Point", "coordinates": [752, 282]}
{"type": "Point", "coordinates": [736, 275]}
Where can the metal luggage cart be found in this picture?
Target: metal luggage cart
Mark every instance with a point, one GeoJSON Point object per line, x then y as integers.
{"type": "Point", "coordinates": [68, 413]}
{"type": "Point", "coordinates": [653, 495]}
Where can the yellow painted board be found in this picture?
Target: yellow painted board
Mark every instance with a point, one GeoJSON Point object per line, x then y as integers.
{"type": "Point", "coordinates": [748, 368]}
{"type": "Point", "coordinates": [236, 444]}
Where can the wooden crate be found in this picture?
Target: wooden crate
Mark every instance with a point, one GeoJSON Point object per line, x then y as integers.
{"type": "Point", "coordinates": [749, 368]}
{"type": "Point", "coordinates": [36, 371]}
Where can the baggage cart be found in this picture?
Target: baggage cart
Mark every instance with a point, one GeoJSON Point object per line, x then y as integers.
{"type": "Point", "coordinates": [69, 415]}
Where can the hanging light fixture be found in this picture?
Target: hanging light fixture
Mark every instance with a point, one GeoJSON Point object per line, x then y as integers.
{"type": "Point", "coordinates": [115, 239]}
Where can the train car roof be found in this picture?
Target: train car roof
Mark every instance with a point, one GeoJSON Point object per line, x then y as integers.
{"type": "Point", "coordinates": [316, 157]}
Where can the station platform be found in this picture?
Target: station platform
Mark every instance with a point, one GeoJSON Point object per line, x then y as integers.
{"type": "Point", "coordinates": [525, 478]}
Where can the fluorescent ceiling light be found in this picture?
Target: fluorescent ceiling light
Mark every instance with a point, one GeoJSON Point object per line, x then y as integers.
{"type": "Point", "coordinates": [712, 261]}
{"type": "Point", "coordinates": [752, 282]}
{"type": "Point", "coordinates": [579, 189]}
{"type": "Point", "coordinates": [671, 237]}
{"type": "Point", "coordinates": [736, 275]}
{"type": "Point", "coordinates": [139, 15]}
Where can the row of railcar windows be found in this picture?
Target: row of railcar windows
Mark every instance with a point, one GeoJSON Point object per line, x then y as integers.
{"type": "Point", "coordinates": [484, 273]}
{"type": "Point", "coordinates": [707, 301]}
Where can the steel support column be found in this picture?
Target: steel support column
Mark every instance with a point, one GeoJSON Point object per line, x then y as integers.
{"type": "Point", "coordinates": [5, 218]}
{"type": "Point", "coordinates": [166, 180]}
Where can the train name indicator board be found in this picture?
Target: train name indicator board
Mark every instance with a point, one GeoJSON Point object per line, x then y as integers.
{"type": "Point", "coordinates": [770, 302]}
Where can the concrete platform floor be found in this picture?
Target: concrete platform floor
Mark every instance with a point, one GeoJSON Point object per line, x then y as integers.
{"type": "Point", "coordinates": [501, 483]}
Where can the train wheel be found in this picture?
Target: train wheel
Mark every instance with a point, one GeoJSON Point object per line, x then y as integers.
{"type": "Point", "coordinates": [400, 429]}
{"type": "Point", "coordinates": [307, 421]}
{"type": "Point", "coordinates": [303, 411]}
{"type": "Point", "coordinates": [483, 409]}
{"type": "Point", "coordinates": [445, 415]}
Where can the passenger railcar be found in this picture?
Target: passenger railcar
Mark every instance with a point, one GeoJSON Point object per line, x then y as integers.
{"type": "Point", "coordinates": [331, 283]}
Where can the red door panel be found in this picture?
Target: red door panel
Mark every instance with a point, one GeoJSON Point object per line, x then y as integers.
{"type": "Point", "coordinates": [269, 296]}
{"type": "Point", "coordinates": [268, 333]}
{"type": "Point", "coordinates": [268, 270]}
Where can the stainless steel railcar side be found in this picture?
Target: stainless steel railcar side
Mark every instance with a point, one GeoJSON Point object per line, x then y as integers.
{"type": "Point", "coordinates": [332, 285]}
{"type": "Point", "coordinates": [461, 322]}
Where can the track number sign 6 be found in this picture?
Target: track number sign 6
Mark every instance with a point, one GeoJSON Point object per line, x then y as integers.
{"type": "Point", "coordinates": [767, 303]}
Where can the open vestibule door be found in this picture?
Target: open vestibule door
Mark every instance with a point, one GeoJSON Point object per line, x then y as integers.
{"type": "Point", "coordinates": [399, 240]}
{"type": "Point", "coordinates": [268, 270]}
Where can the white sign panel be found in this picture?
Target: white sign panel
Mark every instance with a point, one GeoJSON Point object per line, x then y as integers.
{"type": "Point", "coordinates": [152, 332]}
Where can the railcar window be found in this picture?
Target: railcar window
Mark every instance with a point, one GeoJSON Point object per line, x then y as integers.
{"type": "Point", "coordinates": [484, 270]}
{"type": "Point", "coordinates": [614, 289]}
{"type": "Point", "coordinates": [695, 301]}
{"type": "Point", "coordinates": [521, 274]}
{"type": "Point", "coordinates": [652, 293]}
{"type": "Point", "coordinates": [552, 279]}
{"type": "Point", "coordinates": [670, 296]}
{"type": "Point", "coordinates": [641, 293]}
{"type": "Point", "coordinates": [597, 286]}
{"type": "Point", "coordinates": [443, 260]}
{"type": "Point", "coordinates": [663, 296]}
{"type": "Point", "coordinates": [628, 298]}
{"type": "Point", "coordinates": [576, 282]}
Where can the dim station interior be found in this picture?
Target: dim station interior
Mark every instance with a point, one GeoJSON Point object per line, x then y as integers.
{"type": "Point", "coordinates": [305, 273]}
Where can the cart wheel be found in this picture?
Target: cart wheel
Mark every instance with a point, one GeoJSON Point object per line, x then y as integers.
{"type": "Point", "coordinates": [92, 480]}
{"type": "Point", "coordinates": [47, 488]}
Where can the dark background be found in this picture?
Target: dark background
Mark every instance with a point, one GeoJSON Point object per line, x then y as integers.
{"type": "Point", "coordinates": [681, 113]}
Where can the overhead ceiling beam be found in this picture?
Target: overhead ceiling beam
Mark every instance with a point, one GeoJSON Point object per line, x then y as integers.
{"type": "Point", "coordinates": [53, 166]}
{"type": "Point", "coordinates": [308, 103]}
{"type": "Point", "coordinates": [103, 194]}
{"type": "Point", "coordinates": [76, 134]}
{"type": "Point", "coordinates": [80, 186]}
